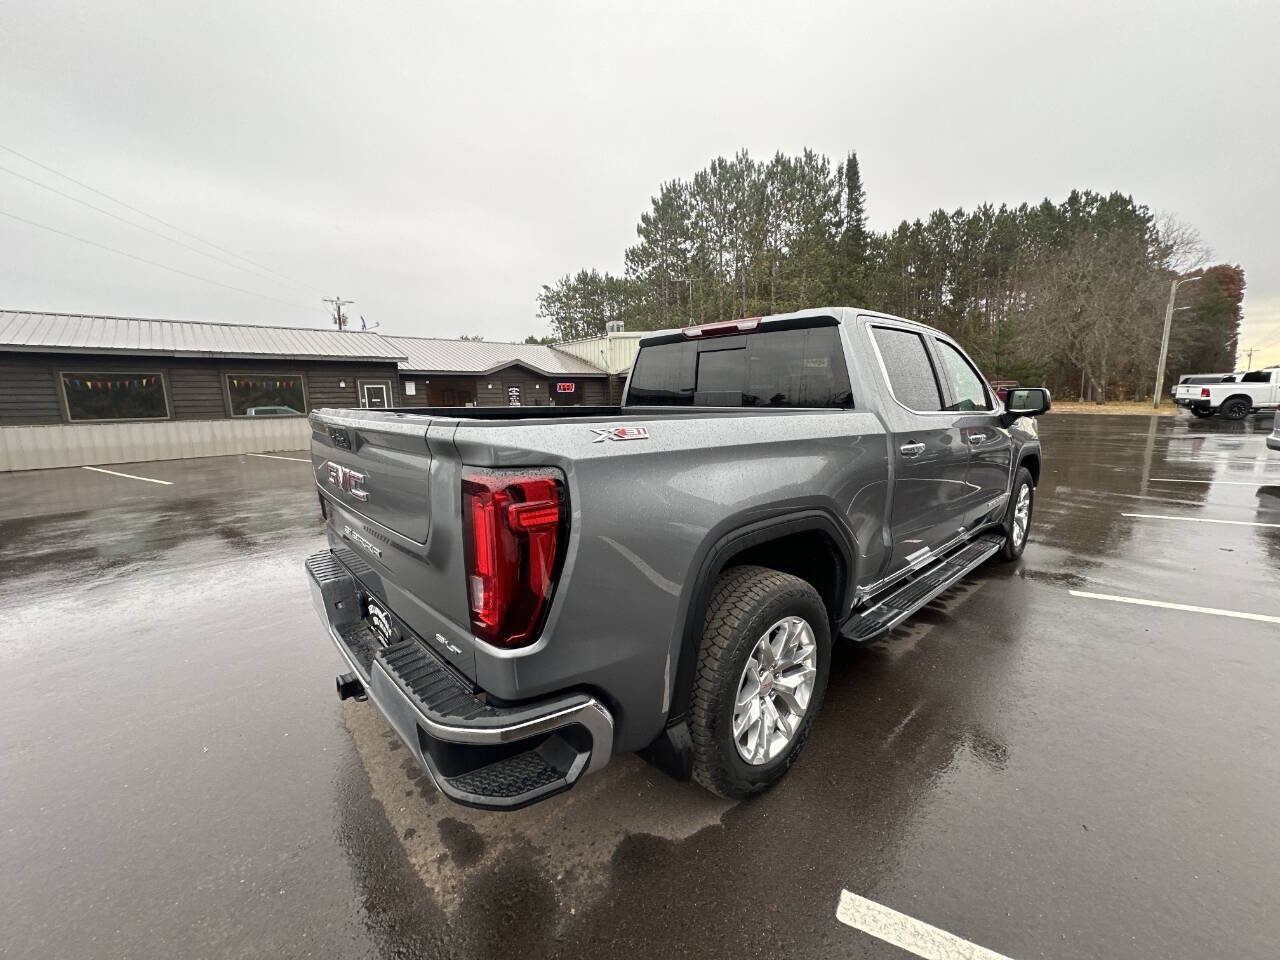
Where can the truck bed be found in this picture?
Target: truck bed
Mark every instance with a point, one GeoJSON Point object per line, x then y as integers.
{"type": "Point", "coordinates": [611, 412]}
{"type": "Point", "coordinates": [506, 413]}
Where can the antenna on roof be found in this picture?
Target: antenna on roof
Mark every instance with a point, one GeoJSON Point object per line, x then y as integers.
{"type": "Point", "coordinates": [365, 325]}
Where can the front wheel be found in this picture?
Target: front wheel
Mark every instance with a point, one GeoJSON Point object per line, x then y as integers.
{"type": "Point", "coordinates": [1017, 517]}
{"type": "Point", "coordinates": [762, 671]}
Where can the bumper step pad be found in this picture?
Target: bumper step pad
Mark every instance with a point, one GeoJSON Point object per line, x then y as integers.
{"type": "Point", "coordinates": [492, 775]}
{"type": "Point", "coordinates": [493, 756]}
{"type": "Point", "coordinates": [438, 691]}
{"type": "Point", "coordinates": [888, 611]}
{"type": "Point", "coordinates": [521, 775]}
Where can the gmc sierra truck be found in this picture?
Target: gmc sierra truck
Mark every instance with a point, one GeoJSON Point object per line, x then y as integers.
{"type": "Point", "coordinates": [523, 592]}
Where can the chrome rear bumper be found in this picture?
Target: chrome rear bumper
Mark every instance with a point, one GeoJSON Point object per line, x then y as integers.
{"type": "Point", "coordinates": [478, 754]}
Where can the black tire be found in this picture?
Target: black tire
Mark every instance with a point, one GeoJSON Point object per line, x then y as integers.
{"type": "Point", "coordinates": [1014, 544]}
{"type": "Point", "coordinates": [1236, 409]}
{"type": "Point", "coordinates": [745, 603]}
{"type": "Point", "coordinates": [1202, 413]}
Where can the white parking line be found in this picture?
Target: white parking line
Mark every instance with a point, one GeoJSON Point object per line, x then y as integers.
{"type": "Point", "coordinates": [1231, 483]}
{"type": "Point", "coordinates": [1264, 461]}
{"type": "Point", "coordinates": [1237, 523]}
{"type": "Point", "coordinates": [1238, 615]}
{"type": "Point", "coordinates": [1198, 436]}
{"type": "Point", "coordinates": [912, 935]}
{"type": "Point", "coordinates": [268, 456]}
{"type": "Point", "coordinates": [129, 476]}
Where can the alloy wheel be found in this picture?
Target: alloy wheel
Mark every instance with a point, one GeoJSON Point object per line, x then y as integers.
{"type": "Point", "coordinates": [774, 690]}
{"type": "Point", "coordinates": [1022, 515]}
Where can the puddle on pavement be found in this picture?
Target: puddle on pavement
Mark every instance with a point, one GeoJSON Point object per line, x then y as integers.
{"type": "Point", "coordinates": [570, 839]}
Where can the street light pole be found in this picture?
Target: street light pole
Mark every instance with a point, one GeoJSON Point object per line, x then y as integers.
{"type": "Point", "coordinates": [1164, 340]}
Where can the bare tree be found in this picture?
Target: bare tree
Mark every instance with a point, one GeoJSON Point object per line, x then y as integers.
{"type": "Point", "coordinates": [1183, 247]}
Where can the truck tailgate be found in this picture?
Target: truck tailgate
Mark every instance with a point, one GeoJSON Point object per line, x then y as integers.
{"type": "Point", "coordinates": [384, 478]}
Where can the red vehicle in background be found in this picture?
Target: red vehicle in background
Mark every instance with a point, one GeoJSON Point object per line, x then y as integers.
{"type": "Point", "coordinates": [1002, 388]}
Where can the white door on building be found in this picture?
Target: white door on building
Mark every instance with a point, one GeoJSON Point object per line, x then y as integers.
{"type": "Point", "coordinates": [375, 393]}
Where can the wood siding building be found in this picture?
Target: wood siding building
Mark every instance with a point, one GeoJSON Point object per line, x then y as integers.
{"type": "Point", "coordinates": [33, 392]}
{"type": "Point", "coordinates": [80, 390]}
{"type": "Point", "coordinates": [458, 373]}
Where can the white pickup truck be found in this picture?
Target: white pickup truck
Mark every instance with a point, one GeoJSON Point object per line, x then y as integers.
{"type": "Point", "coordinates": [1244, 394]}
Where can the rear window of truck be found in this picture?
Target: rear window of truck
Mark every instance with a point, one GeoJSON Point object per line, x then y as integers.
{"type": "Point", "coordinates": [766, 368]}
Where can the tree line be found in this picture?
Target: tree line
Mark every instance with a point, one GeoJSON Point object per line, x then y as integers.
{"type": "Point", "coordinates": [1070, 294]}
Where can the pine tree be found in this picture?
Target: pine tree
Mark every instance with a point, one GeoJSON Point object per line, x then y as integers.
{"type": "Point", "coordinates": [1058, 293]}
{"type": "Point", "coordinates": [851, 262]}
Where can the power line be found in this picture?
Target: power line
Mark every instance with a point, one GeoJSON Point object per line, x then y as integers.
{"type": "Point", "coordinates": [133, 223]}
{"type": "Point", "coordinates": [1268, 345]}
{"type": "Point", "coordinates": [153, 263]}
{"type": "Point", "coordinates": [150, 216]}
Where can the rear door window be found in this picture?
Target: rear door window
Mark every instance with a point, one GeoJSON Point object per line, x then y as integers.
{"type": "Point", "coordinates": [769, 368]}
{"type": "Point", "coordinates": [909, 369]}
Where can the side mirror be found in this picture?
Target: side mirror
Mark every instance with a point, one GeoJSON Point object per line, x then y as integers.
{"type": "Point", "coordinates": [1027, 402]}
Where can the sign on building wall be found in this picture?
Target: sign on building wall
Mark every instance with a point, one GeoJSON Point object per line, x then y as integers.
{"type": "Point", "coordinates": [513, 396]}
{"type": "Point", "coordinates": [566, 386]}
{"type": "Point", "coordinates": [410, 388]}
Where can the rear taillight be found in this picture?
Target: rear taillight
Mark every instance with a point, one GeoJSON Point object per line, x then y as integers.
{"type": "Point", "coordinates": [514, 531]}
{"type": "Point", "coordinates": [1204, 391]}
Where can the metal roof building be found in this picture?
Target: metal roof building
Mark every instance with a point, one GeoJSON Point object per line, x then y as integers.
{"type": "Point", "coordinates": [613, 352]}
{"type": "Point", "coordinates": [79, 389]}
{"type": "Point", "coordinates": [459, 373]}
{"type": "Point", "coordinates": [429, 355]}
{"type": "Point", "coordinates": [77, 333]}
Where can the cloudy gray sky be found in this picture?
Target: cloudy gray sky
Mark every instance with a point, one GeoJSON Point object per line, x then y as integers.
{"type": "Point", "coordinates": [439, 162]}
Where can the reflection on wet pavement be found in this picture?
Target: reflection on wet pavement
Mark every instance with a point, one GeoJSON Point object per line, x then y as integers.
{"type": "Point", "coordinates": [1039, 773]}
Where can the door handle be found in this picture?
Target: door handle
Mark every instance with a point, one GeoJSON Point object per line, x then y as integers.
{"type": "Point", "coordinates": [911, 449]}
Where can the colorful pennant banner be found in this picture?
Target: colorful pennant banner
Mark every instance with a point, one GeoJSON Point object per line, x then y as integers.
{"type": "Point", "coordinates": [245, 383]}
{"type": "Point", "coordinates": [93, 383]}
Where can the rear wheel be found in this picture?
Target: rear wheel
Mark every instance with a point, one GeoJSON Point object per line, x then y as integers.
{"type": "Point", "coordinates": [762, 671]}
{"type": "Point", "coordinates": [1236, 409]}
{"type": "Point", "coordinates": [1017, 517]}
{"type": "Point", "coordinates": [1201, 412]}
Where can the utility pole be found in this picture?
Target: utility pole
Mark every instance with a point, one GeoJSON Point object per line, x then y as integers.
{"type": "Point", "coordinates": [688, 281]}
{"type": "Point", "coordinates": [340, 319]}
{"type": "Point", "coordinates": [1249, 363]}
{"type": "Point", "coordinates": [1164, 340]}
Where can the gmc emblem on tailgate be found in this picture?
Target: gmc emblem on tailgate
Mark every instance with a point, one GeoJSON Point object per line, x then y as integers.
{"type": "Point", "coordinates": [347, 480]}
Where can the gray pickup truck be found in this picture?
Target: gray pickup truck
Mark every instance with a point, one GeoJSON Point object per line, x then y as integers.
{"type": "Point", "coordinates": [523, 592]}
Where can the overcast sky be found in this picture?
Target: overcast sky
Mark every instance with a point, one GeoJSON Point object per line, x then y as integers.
{"type": "Point", "coordinates": [437, 163]}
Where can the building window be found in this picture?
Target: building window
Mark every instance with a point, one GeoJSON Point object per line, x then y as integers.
{"type": "Point", "coordinates": [115, 396]}
{"type": "Point", "coordinates": [266, 395]}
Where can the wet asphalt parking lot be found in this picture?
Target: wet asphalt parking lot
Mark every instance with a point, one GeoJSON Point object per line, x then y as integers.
{"type": "Point", "coordinates": [1041, 773]}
